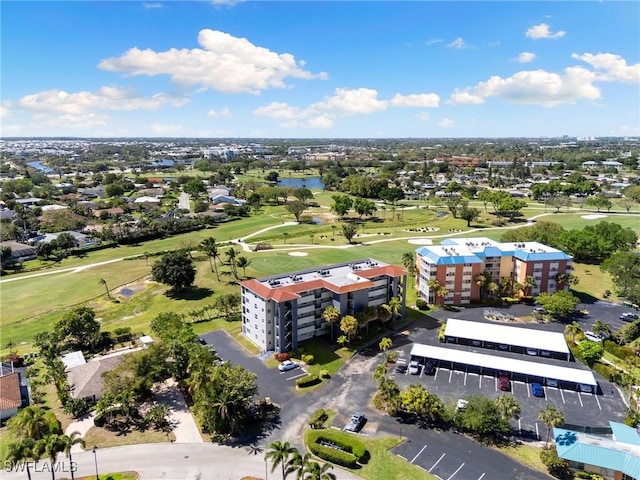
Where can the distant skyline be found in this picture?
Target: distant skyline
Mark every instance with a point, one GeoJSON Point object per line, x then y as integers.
{"type": "Point", "coordinates": [228, 68]}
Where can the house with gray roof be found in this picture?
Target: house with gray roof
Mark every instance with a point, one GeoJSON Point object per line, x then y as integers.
{"type": "Point", "coordinates": [85, 380]}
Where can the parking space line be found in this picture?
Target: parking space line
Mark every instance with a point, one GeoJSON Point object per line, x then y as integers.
{"type": "Point", "coordinates": [597, 401]}
{"type": "Point", "coordinates": [454, 473]}
{"type": "Point", "coordinates": [529, 392]}
{"type": "Point", "coordinates": [435, 376]}
{"type": "Point", "coordinates": [418, 454]}
{"type": "Point", "coordinates": [480, 381]}
{"type": "Point", "coordinates": [496, 382]}
{"type": "Point", "coordinates": [297, 376]}
{"type": "Point", "coordinates": [450, 374]}
{"type": "Point", "coordinates": [580, 398]}
{"type": "Point", "coordinates": [465, 378]}
{"type": "Point", "coordinates": [520, 425]}
{"type": "Point", "coordinates": [537, 432]}
{"type": "Point", "coordinates": [546, 397]}
{"type": "Point", "coordinates": [421, 371]}
{"type": "Point", "coordinates": [562, 395]}
{"type": "Point", "coordinates": [481, 476]}
{"type": "Point", "coordinates": [434, 465]}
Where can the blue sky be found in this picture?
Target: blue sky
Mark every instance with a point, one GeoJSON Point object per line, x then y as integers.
{"type": "Point", "coordinates": [320, 69]}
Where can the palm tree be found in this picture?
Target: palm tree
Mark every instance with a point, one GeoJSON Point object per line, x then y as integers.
{"type": "Point", "coordinates": [280, 453]}
{"type": "Point", "coordinates": [409, 262]}
{"type": "Point", "coordinates": [551, 417]}
{"type": "Point", "coordinates": [21, 452]}
{"type": "Point", "coordinates": [493, 288]}
{"type": "Point", "coordinates": [394, 305]}
{"type": "Point", "coordinates": [50, 446]}
{"type": "Point", "coordinates": [243, 262]}
{"type": "Point", "coordinates": [208, 246]}
{"type": "Point", "coordinates": [297, 463]}
{"type": "Point", "coordinates": [482, 280]}
{"type": "Point", "coordinates": [434, 286]}
{"type": "Point", "coordinates": [102, 281]}
{"type": "Point", "coordinates": [333, 231]}
{"type": "Point", "coordinates": [508, 407]}
{"type": "Point", "coordinates": [67, 442]}
{"type": "Point", "coordinates": [331, 315]}
{"type": "Point", "coordinates": [30, 422]}
{"type": "Point", "coordinates": [285, 235]}
{"type": "Point", "coordinates": [380, 372]}
{"type": "Point", "coordinates": [602, 329]}
{"type": "Point", "coordinates": [231, 255]}
{"type": "Point", "coordinates": [385, 344]}
{"type": "Point", "coordinates": [529, 283]}
{"type": "Point", "coordinates": [572, 330]}
{"type": "Point", "coordinates": [315, 471]}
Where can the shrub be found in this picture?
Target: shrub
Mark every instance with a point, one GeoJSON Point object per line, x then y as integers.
{"type": "Point", "coordinates": [317, 419]}
{"type": "Point", "coordinates": [623, 353]}
{"type": "Point", "coordinates": [307, 381]}
{"type": "Point", "coordinates": [581, 474]}
{"type": "Point", "coordinates": [607, 371]}
{"type": "Point", "coordinates": [281, 357]}
{"type": "Point", "coordinates": [349, 444]}
{"type": "Point", "coordinates": [392, 357]}
{"type": "Point", "coordinates": [557, 467]}
{"type": "Point", "coordinates": [308, 359]}
{"type": "Point", "coordinates": [344, 459]}
{"type": "Point", "coordinates": [324, 374]}
{"type": "Point", "coordinates": [422, 304]}
{"type": "Point", "coordinates": [441, 332]}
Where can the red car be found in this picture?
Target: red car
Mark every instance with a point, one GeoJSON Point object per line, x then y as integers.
{"type": "Point", "coordinates": [504, 384]}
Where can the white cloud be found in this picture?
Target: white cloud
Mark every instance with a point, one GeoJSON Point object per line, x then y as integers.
{"type": "Point", "coordinates": [426, 100]}
{"type": "Point", "coordinates": [4, 111]}
{"type": "Point", "coordinates": [446, 123]}
{"type": "Point", "coordinates": [152, 5]}
{"type": "Point", "coordinates": [106, 98]}
{"type": "Point", "coordinates": [543, 31]}
{"type": "Point", "coordinates": [525, 57]}
{"type": "Point", "coordinates": [434, 41]}
{"type": "Point", "coordinates": [423, 116]}
{"type": "Point", "coordinates": [458, 43]}
{"type": "Point", "coordinates": [225, 112]}
{"type": "Point", "coordinates": [613, 67]}
{"type": "Point", "coordinates": [224, 63]}
{"type": "Point", "coordinates": [537, 87]}
{"type": "Point", "coordinates": [77, 121]}
{"type": "Point", "coordinates": [344, 102]}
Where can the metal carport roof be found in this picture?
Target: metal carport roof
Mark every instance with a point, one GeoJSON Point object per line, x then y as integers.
{"type": "Point", "coordinates": [537, 369]}
{"type": "Point", "coordinates": [507, 335]}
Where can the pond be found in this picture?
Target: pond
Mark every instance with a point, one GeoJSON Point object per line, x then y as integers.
{"type": "Point", "coordinates": [308, 182]}
{"type": "Point", "coordinates": [40, 166]}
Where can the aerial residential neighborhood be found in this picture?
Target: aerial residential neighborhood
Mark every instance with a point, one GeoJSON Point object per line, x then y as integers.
{"type": "Point", "coordinates": [320, 240]}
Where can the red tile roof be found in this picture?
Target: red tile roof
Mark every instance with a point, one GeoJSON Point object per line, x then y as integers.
{"type": "Point", "coordinates": [10, 391]}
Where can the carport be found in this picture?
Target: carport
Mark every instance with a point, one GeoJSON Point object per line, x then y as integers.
{"type": "Point", "coordinates": [545, 343]}
{"type": "Point", "coordinates": [503, 364]}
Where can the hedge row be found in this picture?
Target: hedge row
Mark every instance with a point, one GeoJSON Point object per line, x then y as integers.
{"type": "Point", "coordinates": [308, 380]}
{"type": "Point", "coordinates": [318, 418]}
{"type": "Point", "coordinates": [344, 459]}
{"type": "Point", "coordinates": [349, 442]}
{"type": "Point", "coordinates": [606, 371]}
{"type": "Point", "coordinates": [613, 348]}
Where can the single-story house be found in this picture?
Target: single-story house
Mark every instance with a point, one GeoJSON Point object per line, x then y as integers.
{"type": "Point", "coordinates": [10, 397]}
{"type": "Point", "coordinates": [85, 381]}
{"type": "Point", "coordinates": [50, 208]}
{"type": "Point", "coordinates": [615, 456]}
{"type": "Point", "coordinates": [109, 211]}
{"type": "Point", "coordinates": [20, 251]}
{"type": "Point", "coordinates": [146, 199]}
{"type": "Point", "coordinates": [83, 240]}
{"type": "Point", "coordinates": [73, 359]}
{"type": "Point", "coordinates": [7, 214]}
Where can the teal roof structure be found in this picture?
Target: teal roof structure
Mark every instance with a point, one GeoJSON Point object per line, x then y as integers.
{"type": "Point", "coordinates": [619, 452]}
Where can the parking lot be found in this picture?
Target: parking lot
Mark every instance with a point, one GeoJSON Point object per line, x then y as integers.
{"type": "Point", "coordinates": [451, 383]}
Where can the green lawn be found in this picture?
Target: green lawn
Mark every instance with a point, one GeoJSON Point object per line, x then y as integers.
{"type": "Point", "coordinates": [525, 454]}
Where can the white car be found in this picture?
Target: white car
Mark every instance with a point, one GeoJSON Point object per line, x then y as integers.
{"type": "Point", "coordinates": [287, 365]}
{"type": "Point", "coordinates": [593, 337]}
{"type": "Point", "coordinates": [414, 367]}
{"type": "Point", "coordinates": [586, 388]}
{"type": "Point", "coordinates": [462, 404]}
{"type": "Point", "coordinates": [552, 382]}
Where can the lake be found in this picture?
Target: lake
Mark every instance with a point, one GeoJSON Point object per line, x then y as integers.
{"type": "Point", "coordinates": [308, 182]}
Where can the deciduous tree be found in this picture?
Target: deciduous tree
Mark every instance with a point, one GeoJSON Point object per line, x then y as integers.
{"type": "Point", "coordinates": [174, 269]}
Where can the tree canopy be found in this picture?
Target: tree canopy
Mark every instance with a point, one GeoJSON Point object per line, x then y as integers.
{"type": "Point", "coordinates": [79, 328]}
{"type": "Point", "coordinates": [175, 269]}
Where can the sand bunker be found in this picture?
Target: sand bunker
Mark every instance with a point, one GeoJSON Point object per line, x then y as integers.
{"type": "Point", "coordinates": [298, 254]}
{"type": "Point", "coordinates": [593, 217]}
{"type": "Point", "coordinates": [420, 241]}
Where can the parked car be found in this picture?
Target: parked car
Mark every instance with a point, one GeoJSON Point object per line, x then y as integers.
{"type": "Point", "coordinates": [355, 422]}
{"type": "Point", "coordinates": [532, 351]}
{"type": "Point", "coordinates": [593, 337]}
{"type": "Point", "coordinates": [504, 384]}
{"type": "Point", "coordinates": [429, 367]}
{"type": "Point", "coordinates": [401, 367]}
{"type": "Point", "coordinates": [629, 316]}
{"type": "Point", "coordinates": [287, 365]}
{"type": "Point", "coordinates": [539, 310]}
{"type": "Point", "coordinates": [202, 341]}
{"type": "Point", "coordinates": [414, 367]}
{"type": "Point", "coordinates": [503, 347]}
{"type": "Point", "coordinates": [536, 390]}
{"type": "Point", "coordinates": [461, 404]}
{"type": "Point", "coordinates": [585, 388]}
{"type": "Point", "coordinates": [552, 382]}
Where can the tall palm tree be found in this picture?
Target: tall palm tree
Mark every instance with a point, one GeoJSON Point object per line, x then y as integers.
{"type": "Point", "coordinates": [331, 315]}
{"type": "Point", "coordinates": [409, 262]}
{"type": "Point", "coordinates": [50, 446]}
{"type": "Point", "coordinates": [243, 263]}
{"type": "Point", "coordinates": [380, 372]}
{"type": "Point", "coordinates": [232, 254]}
{"type": "Point", "coordinates": [601, 328]}
{"type": "Point", "coordinates": [508, 407]}
{"type": "Point", "coordinates": [297, 463]}
{"type": "Point", "coordinates": [280, 453]}
{"type": "Point", "coordinates": [434, 286]}
{"type": "Point", "coordinates": [394, 305]}
{"type": "Point", "coordinates": [528, 284]}
{"type": "Point", "coordinates": [102, 281]}
{"type": "Point", "coordinates": [30, 422]}
{"type": "Point", "coordinates": [209, 246]}
{"type": "Point", "coordinates": [482, 280]}
{"type": "Point", "coordinates": [285, 235]}
{"type": "Point", "coordinates": [67, 442]}
{"type": "Point", "coordinates": [493, 288]}
{"type": "Point", "coordinates": [22, 451]}
{"type": "Point", "coordinates": [551, 417]}
{"type": "Point", "coordinates": [385, 344]}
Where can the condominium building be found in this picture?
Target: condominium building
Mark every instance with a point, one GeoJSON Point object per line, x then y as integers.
{"type": "Point", "coordinates": [281, 311]}
{"type": "Point", "coordinates": [456, 262]}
